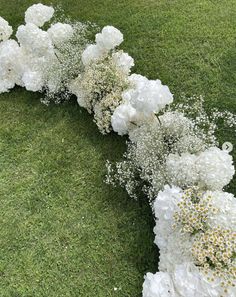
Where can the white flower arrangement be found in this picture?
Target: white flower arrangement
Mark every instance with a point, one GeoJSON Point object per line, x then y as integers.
{"type": "Point", "coordinates": [187, 237]}
{"type": "Point", "coordinates": [170, 155]}
{"type": "Point", "coordinates": [122, 117]}
{"type": "Point", "coordinates": [60, 33]}
{"type": "Point", "coordinates": [34, 40]}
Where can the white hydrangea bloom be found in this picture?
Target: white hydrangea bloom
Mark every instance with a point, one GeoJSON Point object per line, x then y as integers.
{"type": "Point", "coordinates": [36, 69]}
{"type": "Point", "coordinates": [34, 40]}
{"type": "Point", "coordinates": [174, 246]}
{"type": "Point", "coordinates": [60, 33]}
{"type": "Point", "coordinates": [5, 30]}
{"type": "Point", "coordinates": [123, 61]}
{"type": "Point", "coordinates": [212, 169]}
{"type": "Point", "coordinates": [185, 281]}
{"type": "Point", "coordinates": [158, 285]}
{"type": "Point", "coordinates": [166, 203]}
{"type": "Point", "coordinates": [33, 81]}
{"type": "Point", "coordinates": [12, 63]}
{"type": "Point", "coordinates": [182, 170]}
{"type": "Point", "coordinates": [148, 96]}
{"type": "Point", "coordinates": [215, 168]}
{"type": "Point", "coordinates": [121, 118]}
{"type": "Point", "coordinates": [138, 80]}
{"type": "Point", "coordinates": [6, 85]}
{"type": "Point", "coordinates": [177, 250]}
{"type": "Point", "coordinates": [109, 38]}
{"type": "Point", "coordinates": [92, 53]}
{"type": "Point", "coordinates": [190, 282]}
{"type": "Point", "coordinates": [38, 14]}
{"type": "Point", "coordinates": [226, 205]}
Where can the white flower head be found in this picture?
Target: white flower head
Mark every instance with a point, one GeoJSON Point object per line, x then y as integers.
{"type": "Point", "coordinates": [138, 80]}
{"type": "Point", "coordinates": [75, 88]}
{"type": "Point", "coordinates": [6, 85]}
{"type": "Point", "coordinates": [38, 14]}
{"type": "Point", "coordinates": [215, 167]}
{"type": "Point", "coordinates": [33, 81]}
{"type": "Point", "coordinates": [166, 203]}
{"type": "Point", "coordinates": [12, 63]}
{"type": "Point", "coordinates": [60, 33]}
{"type": "Point", "coordinates": [182, 170]}
{"type": "Point", "coordinates": [164, 207]}
{"type": "Point", "coordinates": [148, 96]}
{"type": "Point", "coordinates": [177, 249]}
{"type": "Point", "coordinates": [175, 123]}
{"type": "Point", "coordinates": [92, 53]}
{"type": "Point", "coordinates": [109, 38]}
{"type": "Point", "coordinates": [123, 61]}
{"type": "Point", "coordinates": [34, 40]}
{"type": "Point", "coordinates": [5, 30]}
{"type": "Point", "coordinates": [158, 285]}
{"type": "Point", "coordinates": [122, 117]}
{"type": "Point", "coordinates": [190, 282]}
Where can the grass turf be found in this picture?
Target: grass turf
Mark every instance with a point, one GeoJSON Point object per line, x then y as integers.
{"type": "Point", "coordinates": [63, 232]}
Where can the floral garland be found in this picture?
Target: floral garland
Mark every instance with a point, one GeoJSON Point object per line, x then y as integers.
{"type": "Point", "coordinates": [172, 153]}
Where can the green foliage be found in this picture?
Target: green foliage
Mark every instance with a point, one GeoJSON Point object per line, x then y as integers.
{"type": "Point", "coordinates": [63, 231]}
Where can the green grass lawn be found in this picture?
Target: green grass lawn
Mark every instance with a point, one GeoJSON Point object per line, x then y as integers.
{"type": "Point", "coordinates": [63, 232]}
